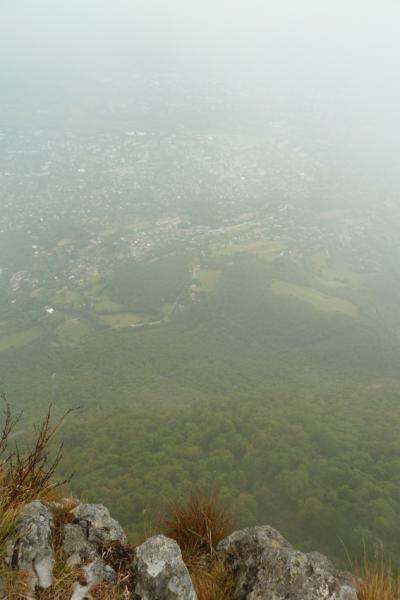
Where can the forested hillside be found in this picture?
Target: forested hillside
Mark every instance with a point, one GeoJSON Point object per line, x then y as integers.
{"type": "Point", "coordinates": [284, 399]}
{"type": "Point", "coordinates": [321, 468]}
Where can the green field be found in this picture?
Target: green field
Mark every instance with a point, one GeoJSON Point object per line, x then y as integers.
{"type": "Point", "coordinates": [107, 306]}
{"type": "Point", "coordinates": [72, 331]}
{"type": "Point", "coordinates": [263, 249]}
{"type": "Point", "coordinates": [318, 300]}
{"type": "Point", "coordinates": [118, 320]}
{"type": "Point", "coordinates": [336, 273]}
{"type": "Point", "coordinates": [208, 279]}
{"type": "Point", "coordinates": [167, 308]}
{"type": "Point", "coordinates": [19, 338]}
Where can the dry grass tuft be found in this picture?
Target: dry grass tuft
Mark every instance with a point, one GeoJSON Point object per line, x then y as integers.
{"type": "Point", "coordinates": [25, 477]}
{"type": "Point", "coordinates": [65, 578]}
{"type": "Point", "coordinates": [28, 476]}
{"type": "Point", "coordinates": [198, 525]}
{"type": "Point", "coordinates": [17, 585]}
{"type": "Point", "coordinates": [107, 591]}
{"type": "Point", "coordinates": [377, 580]}
{"type": "Point", "coordinates": [8, 517]}
{"type": "Point", "coordinates": [214, 582]}
{"type": "Point", "coordinates": [62, 515]}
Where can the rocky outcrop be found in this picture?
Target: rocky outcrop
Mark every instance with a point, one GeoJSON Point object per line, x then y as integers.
{"type": "Point", "coordinates": [92, 527]}
{"type": "Point", "coordinates": [75, 544]}
{"type": "Point", "coordinates": [31, 548]}
{"type": "Point", "coordinates": [83, 539]}
{"type": "Point", "coordinates": [98, 525]}
{"type": "Point", "coordinates": [160, 571]}
{"type": "Point", "coordinates": [266, 567]}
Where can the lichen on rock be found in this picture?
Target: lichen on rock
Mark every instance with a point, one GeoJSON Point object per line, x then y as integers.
{"type": "Point", "coordinates": [99, 525]}
{"type": "Point", "coordinates": [160, 571]}
{"type": "Point", "coordinates": [30, 548]}
{"type": "Point", "coordinates": [267, 567]}
{"type": "Point", "coordinates": [263, 564]}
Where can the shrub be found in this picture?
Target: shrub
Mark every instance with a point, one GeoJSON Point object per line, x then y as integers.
{"type": "Point", "coordinates": [213, 583]}
{"type": "Point", "coordinates": [25, 476]}
{"type": "Point", "coordinates": [377, 580]}
{"type": "Point", "coordinates": [198, 525]}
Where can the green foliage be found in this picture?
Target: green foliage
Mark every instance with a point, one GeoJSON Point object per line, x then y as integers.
{"type": "Point", "coordinates": [320, 469]}
{"type": "Point", "coordinates": [144, 286]}
{"type": "Point", "coordinates": [19, 338]}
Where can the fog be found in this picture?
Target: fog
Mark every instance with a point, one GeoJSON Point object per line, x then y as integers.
{"type": "Point", "coordinates": [315, 48]}
{"type": "Point", "coordinates": [329, 63]}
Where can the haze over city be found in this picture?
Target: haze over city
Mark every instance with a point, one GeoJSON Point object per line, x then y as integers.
{"type": "Point", "coordinates": [199, 247]}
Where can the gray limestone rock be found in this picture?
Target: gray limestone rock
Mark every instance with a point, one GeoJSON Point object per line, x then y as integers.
{"type": "Point", "coordinates": [97, 524]}
{"type": "Point", "coordinates": [75, 544]}
{"type": "Point", "coordinates": [268, 568]}
{"type": "Point", "coordinates": [30, 548]}
{"type": "Point", "coordinates": [265, 565]}
{"type": "Point", "coordinates": [96, 572]}
{"type": "Point", "coordinates": [160, 571]}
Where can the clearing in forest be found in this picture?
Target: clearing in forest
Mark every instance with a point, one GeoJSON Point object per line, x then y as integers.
{"type": "Point", "coordinates": [72, 331]}
{"type": "Point", "coordinates": [118, 320]}
{"type": "Point", "coordinates": [319, 301]}
{"type": "Point", "coordinates": [208, 279]}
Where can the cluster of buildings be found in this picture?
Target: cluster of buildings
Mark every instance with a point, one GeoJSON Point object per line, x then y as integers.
{"type": "Point", "coordinates": [76, 203]}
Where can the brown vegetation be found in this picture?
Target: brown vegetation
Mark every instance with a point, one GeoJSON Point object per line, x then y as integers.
{"type": "Point", "coordinates": [64, 580]}
{"type": "Point", "coordinates": [24, 477]}
{"type": "Point", "coordinates": [377, 580]}
{"type": "Point", "coordinates": [213, 582]}
{"type": "Point", "coordinates": [197, 526]}
{"type": "Point", "coordinates": [16, 585]}
{"type": "Point", "coordinates": [27, 476]}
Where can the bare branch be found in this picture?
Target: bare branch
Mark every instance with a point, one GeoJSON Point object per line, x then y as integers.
{"type": "Point", "coordinates": [24, 476]}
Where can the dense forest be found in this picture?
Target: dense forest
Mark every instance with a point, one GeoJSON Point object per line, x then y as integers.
{"type": "Point", "coordinates": [322, 468]}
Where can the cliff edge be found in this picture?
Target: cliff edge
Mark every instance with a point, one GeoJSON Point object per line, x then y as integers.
{"type": "Point", "coordinates": [66, 549]}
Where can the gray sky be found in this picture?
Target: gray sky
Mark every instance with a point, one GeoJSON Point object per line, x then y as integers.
{"type": "Point", "coordinates": [330, 66]}
{"type": "Point", "coordinates": [319, 36]}
{"type": "Point", "coordinates": [339, 55]}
